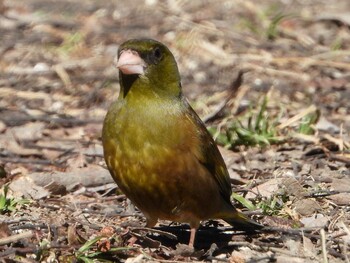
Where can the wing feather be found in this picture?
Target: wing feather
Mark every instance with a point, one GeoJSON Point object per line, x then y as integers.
{"type": "Point", "coordinates": [210, 157]}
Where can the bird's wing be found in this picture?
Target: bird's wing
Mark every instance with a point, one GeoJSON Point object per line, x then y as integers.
{"type": "Point", "coordinates": [210, 157]}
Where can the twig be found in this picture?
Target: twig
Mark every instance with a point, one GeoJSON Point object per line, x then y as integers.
{"type": "Point", "coordinates": [233, 89]}
{"type": "Point", "coordinates": [105, 187]}
{"type": "Point", "coordinates": [324, 248]}
{"type": "Point", "coordinates": [285, 252]}
{"type": "Point", "coordinates": [152, 230]}
{"type": "Point", "coordinates": [22, 250]}
{"type": "Point", "coordinates": [275, 72]}
{"type": "Point", "coordinates": [30, 226]}
{"type": "Point", "coordinates": [30, 144]}
{"type": "Point", "coordinates": [224, 30]}
{"type": "Point", "coordinates": [105, 199]}
{"type": "Point", "coordinates": [64, 76]}
{"type": "Point", "coordinates": [339, 158]}
{"type": "Point", "coordinates": [345, 228]}
{"type": "Point", "coordinates": [309, 62]}
{"type": "Point", "coordinates": [251, 245]}
{"type": "Point", "coordinates": [297, 117]}
{"type": "Point", "coordinates": [141, 236]}
{"type": "Point", "coordinates": [26, 160]}
{"type": "Point", "coordinates": [345, 243]}
{"type": "Point", "coordinates": [14, 238]}
{"type": "Point", "coordinates": [331, 54]}
{"type": "Point", "coordinates": [16, 221]}
{"type": "Point", "coordinates": [334, 253]}
{"type": "Point", "coordinates": [294, 232]}
{"type": "Point", "coordinates": [322, 193]}
{"type": "Point", "coordinates": [335, 219]}
{"type": "Point", "coordinates": [64, 121]}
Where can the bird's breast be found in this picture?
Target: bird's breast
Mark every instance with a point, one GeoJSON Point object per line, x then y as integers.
{"type": "Point", "coordinates": [148, 152]}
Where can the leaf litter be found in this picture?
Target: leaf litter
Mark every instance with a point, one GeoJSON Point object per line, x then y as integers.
{"type": "Point", "coordinates": [57, 81]}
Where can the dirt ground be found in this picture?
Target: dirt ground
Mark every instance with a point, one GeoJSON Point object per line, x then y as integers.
{"type": "Point", "coordinates": [58, 203]}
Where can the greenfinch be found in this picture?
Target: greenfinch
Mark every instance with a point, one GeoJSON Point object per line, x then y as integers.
{"type": "Point", "coordinates": [158, 150]}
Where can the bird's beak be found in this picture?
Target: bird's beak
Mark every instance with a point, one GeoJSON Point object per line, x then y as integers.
{"type": "Point", "coordinates": [130, 62]}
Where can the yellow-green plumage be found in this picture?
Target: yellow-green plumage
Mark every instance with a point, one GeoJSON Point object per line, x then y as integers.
{"type": "Point", "coordinates": [156, 147]}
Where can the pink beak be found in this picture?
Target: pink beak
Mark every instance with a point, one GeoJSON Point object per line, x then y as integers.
{"type": "Point", "coordinates": [130, 62]}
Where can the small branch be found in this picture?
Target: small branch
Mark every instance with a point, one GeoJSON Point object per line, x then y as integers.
{"type": "Point", "coordinates": [12, 118]}
{"type": "Point", "coordinates": [324, 248]}
{"type": "Point", "coordinates": [276, 72]}
{"type": "Point", "coordinates": [233, 89]}
{"type": "Point", "coordinates": [26, 160]}
{"type": "Point", "coordinates": [339, 158]}
{"type": "Point", "coordinates": [286, 252]}
{"type": "Point", "coordinates": [30, 226]}
{"type": "Point", "coordinates": [15, 238]}
{"type": "Point", "coordinates": [152, 230]}
{"type": "Point", "coordinates": [297, 117]}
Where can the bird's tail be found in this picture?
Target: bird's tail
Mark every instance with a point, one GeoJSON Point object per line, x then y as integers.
{"type": "Point", "coordinates": [242, 222]}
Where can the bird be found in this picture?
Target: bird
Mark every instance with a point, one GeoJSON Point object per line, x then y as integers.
{"type": "Point", "coordinates": [158, 150]}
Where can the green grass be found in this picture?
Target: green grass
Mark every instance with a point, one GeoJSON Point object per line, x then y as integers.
{"type": "Point", "coordinates": [259, 129]}
{"type": "Point", "coordinates": [70, 44]}
{"type": "Point", "coordinates": [307, 124]}
{"type": "Point", "coordinates": [266, 22]}
{"type": "Point", "coordinates": [10, 204]}
{"type": "Point", "coordinates": [272, 30]}
{"type": "Point", "coordinates": [273, 205]}
{"type": "Point", "coordinates": [90, 252]}
{"type": "Point", "coordinates": [245, 202]}
{"type": "Point", "coordinates": [269, 206]}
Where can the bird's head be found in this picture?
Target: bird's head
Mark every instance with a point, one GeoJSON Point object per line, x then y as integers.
{"type": "Point", "coordinates": [147, 65]}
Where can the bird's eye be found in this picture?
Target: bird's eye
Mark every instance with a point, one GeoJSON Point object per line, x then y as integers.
{"type": "Point", "coordinates": [154, 56]}
{"type": "Point", "coordinates": [157, 53]}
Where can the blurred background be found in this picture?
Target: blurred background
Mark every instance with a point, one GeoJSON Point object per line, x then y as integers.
{"type": "Point", "coordinates": [270, 78]}
{"type": "Point", "coordinates": [61, 52]}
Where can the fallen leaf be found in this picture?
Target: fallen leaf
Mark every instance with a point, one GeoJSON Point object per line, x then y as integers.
{"type": "Point", "coordinates": [324, 125]}
{"type": "Point", "coordinates": [266, 189]}
{"type": "Point", "coordinates": [293, 187]}
{"type": "Point", "coordinates": [315, 221]}
{"type": "Point", "coordinates": [307, 207]}
{"type": "Point", "coordinates": [29, 131]}
{"type": "Point", "coordinates": [341, 185]}
{"type": "Point", "coordinates": [340, 199]}
{"type": "Point", "coordinates": [25, 187]}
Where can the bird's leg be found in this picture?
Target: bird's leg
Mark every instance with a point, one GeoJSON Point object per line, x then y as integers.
{"type": "Point", "coordinates": [192, 236]}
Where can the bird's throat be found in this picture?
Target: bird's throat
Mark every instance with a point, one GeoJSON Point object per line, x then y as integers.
{"type": "Point", "coordinates": [126, 82]}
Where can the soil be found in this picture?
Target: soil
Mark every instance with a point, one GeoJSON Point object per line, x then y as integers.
{"type": "Point", "coordinates": [58, 202]}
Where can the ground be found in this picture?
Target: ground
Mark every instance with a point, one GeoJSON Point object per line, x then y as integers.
{"type": "Point", "coordinates": [270, 80]}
